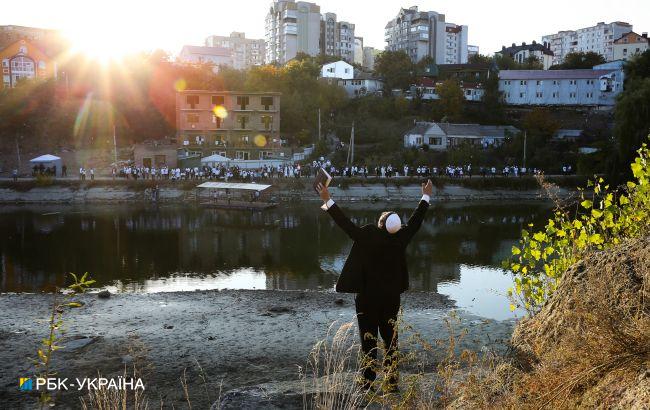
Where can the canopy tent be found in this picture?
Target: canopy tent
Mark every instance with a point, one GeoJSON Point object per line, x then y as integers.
{"type": "Point", "coordinates": [234, 185]}
{"type": "Point", "coordinates": [48, 161]}
{"type": "Point", "coordinates": [214, 158]}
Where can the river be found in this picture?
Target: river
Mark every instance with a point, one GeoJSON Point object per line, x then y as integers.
{"type": "Point", "coordinates": [129, 248]}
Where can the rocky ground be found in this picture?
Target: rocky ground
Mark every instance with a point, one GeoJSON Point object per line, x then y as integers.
{"type": "Point", "coordinates": [238, 348]}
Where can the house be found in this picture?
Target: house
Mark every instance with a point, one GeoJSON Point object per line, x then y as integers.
{"type": "Point", "coordinates": [442, 136]}
{"type": "Point", "coordinates": [629, 45]}
{"type": "Point", "coordinates": [338, 70]}
{"type": "Point", "coordinates": [595, 87]}
{"type": "Point", "coordinates": [426, 87]}
{"type": "Point", "coordinates": [23, 60]}
{"type": "Point", "coordinates": [521, 53]}
{"type": "Point", "coordinates": [362, 84]}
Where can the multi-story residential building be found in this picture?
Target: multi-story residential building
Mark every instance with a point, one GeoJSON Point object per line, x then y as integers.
{"type": "Point", "coordinates": [22, 60]}
{"type": "Point", "coordinates": [599, 39]}
{"type": "Point", "coordinates": [217, 56]}
{"type": "Point", "coordinates": [588, 87]}
{"type": "Point", "coordinates": [472, 50]}
{"type": "Point", "coordinates": [521, 53]}
{"type": "Point", "coordinates": [455, 44]}
{"type": "Point", "coordinates": [337, 37]}
{"type": "Point", "coordinates": [426, 34]}
{"type": "Point", "coordinates": [358, 50]}
{"type": "Point", "coordinates": [369, 54]}
{"type": "Point", "coordinates": [245, 52]}
{"type": "Point", "coordinates": [629, 45]}
{"type": "Point", "coordinates": [237, 125]}
{"type": "Point", "coordinates": [291, 28]}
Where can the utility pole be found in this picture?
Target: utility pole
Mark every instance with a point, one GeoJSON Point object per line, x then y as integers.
{"type": "Point", "coordinates": [319, 136]}
{"type": "Point", "coordinates": [18, 154]}
{"type": "Point", "coordinates": [352, 145]}
{"type": "Point", "coordinates": [525, 136]}
{"type": "Point", "coordinates": [115, 144]}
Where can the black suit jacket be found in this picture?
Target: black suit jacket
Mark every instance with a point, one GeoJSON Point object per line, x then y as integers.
{"type": "Point", "coordinates": [377, 260]}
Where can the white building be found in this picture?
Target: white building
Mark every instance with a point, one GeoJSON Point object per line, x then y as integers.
{"type": "Point", "coordinates": [426, 34]}
{"type": "Point", "coordinates": [591, 87]}
{"type": "Point", "coordinates": [245, 52]}
{"type": "Point", "coordinates": [369, 54]}
{"type": "Point", "coordinates": [472, 50]}
{"type": "Point", "coordinates": [291, 28]}
{"type": "Point", "coordinates": [630, 45]}
{"type": "Point", "coordinates": [521, 53]}
{"type": "Point", "coordinates": [362, 84]}
{"type": "Point", "coordinates": [455, 44]}
{"type": "Point", "coordinates": [218, 56]}
{"type": "Point", "coordinates": [599, 39]}
{"type": "Point", "coordinates": [358, 51]}
{"type": "Point", "coordinates": [338, 69]}
{"type": "Point", "coordinates": [442, 136]}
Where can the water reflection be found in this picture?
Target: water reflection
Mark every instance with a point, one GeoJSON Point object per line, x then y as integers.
{"type": "Point", "coordinates": [296, 247]}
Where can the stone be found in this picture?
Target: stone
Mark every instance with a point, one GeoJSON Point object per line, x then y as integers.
{"type": "Point", "coordinates": [104, 294]}
{"type": "Point", "coordinates": [168, 326]}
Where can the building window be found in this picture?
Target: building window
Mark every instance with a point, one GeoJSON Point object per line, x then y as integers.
{"type": "Point", "coordinates": [218, 100]}
{"type": "Point", "coordinates": [267, 102]}
{"type": "Point", "coordinates": [267, 121]}
{"type": "Point", "coordinates": [522, 95]}
{"type": "Point", "coordinates": [555, 82]}
{"type": "Point", "coordinates": [435, 141]}
{"type": "Point", "coordinates": [192, 101]}
{"type": "Point", "coordinates": [539, 82]}
{"type": "Point", "coordinates": [539, 95]}
{"type": "Point", "coordinates": [242, 120]}
{"type": "Point", "coordinates": [192, 118]}
{"type": "Point", "coordinates": [243, 102]}
{"type": "Point", "coordinates": [572, 95]}
{"type": "Point", "coordinates": [242, 155]}
{"type": "Point", "coordinates": [523, 82]}
{"type": "Point", "coordinates": [218, 121]}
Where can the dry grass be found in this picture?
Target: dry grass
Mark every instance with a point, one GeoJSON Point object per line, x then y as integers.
{"type": "Point", "coordinates": [588, 347]}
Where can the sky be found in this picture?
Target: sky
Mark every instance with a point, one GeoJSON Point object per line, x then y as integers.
{"type": "Point", "coordinates": [119, 26]}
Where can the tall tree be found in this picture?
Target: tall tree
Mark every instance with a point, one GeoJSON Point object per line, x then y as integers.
{"type": "Point", "coordinates": [451, 100]}
{"type": "Point", "coordinates": [396, 68]}
{"type": "Point", "coordinates": [578, 60]}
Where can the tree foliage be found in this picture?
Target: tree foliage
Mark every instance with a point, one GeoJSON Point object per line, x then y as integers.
{"type": "Point", "coordinates": [451, 100]}
{"type": "Point", "coordinates": [396, 68]}
{"type": "Point", "coordinates": [578, 60]}
{"type": "Point", "coordinates": [602, 219]}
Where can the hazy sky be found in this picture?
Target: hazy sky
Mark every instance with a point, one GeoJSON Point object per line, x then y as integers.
{"type": "Point", "coordinates": [144, 24]}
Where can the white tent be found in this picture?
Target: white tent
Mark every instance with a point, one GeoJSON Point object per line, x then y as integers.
{"type": "Point", "coordinates": [215, 159]}
{"type": "Point", "coordinates": [48, 161]}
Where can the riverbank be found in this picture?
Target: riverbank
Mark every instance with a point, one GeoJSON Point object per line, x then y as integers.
{"type": "Point", "coordinates": [353, 189]}
{"type": "Point", "coordinates": [223, 341]}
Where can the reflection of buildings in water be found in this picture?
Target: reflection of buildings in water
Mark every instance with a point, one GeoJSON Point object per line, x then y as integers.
{"type": "Point", "coordinates": [427, 279]}
{"type": "Point", "coordinates": [285, 280]}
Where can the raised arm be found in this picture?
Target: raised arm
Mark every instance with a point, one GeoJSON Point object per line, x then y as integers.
{"type": "Point", "coordinates": [416, 219]}
{"type": "Point", "coordinates": [335, 212]}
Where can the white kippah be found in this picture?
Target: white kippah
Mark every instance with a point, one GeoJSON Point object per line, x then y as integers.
{"type": "Point", "coordinates": [393, 223]}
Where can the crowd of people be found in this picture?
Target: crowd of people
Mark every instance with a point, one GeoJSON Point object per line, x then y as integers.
{"type": "Point", "coordinates": [207, 172]}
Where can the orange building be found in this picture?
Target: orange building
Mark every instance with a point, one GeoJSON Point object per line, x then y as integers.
{"type": "Point", "coordinates": [22, 59]}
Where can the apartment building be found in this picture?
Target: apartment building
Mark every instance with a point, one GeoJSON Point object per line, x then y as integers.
{"type": "Point", "coordinates": [237, 125]}
{"type": "Point", "coordinates": [588, 87]}
{"type": "Point", "coordinates": [426, 34]}
{"type": "Point", "coordinates": [291, 28]}
{"type": "Point", "coordinates": [369, 54]}
{"type": "Point", "coordinates": [336, 37]}
{"type": "Point", "coordinates": [522, 52]}
{"type": "Point", "coordinates": [358, 50]}
{"type": "Point", "coordinates": [599, 39]}
{"type": "Point", "coordinates": [630, 45]}
{"type": "Point", "coordinates": [244, 52]}
{"type": "Point", "coordinates": [472, 50]}
{"type": "Point", "coordinates": [217, 56]}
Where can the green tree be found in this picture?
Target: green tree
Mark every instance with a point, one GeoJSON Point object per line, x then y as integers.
{"type": "Point", "coordinates": [578, 60]}
{"type": "Point", "coordinates": [480, 59]}
{"type": "Point", "coordinates": [532, 63]}
{"type": "Point", "coordinates": [396, 68]}
{"type": "Point", "coordinates": [632, 111]}
{"type": "Point", "coordinates": [493, 109]}
{"type": "Point", "coordinates": [451, 100]}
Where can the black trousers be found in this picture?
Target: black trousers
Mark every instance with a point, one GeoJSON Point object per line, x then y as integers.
{"type": "Point", "coordinates": [377, 314]}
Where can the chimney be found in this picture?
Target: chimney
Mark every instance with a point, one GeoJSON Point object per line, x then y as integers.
{"type": "Point", "coordinates": [523, 43]}
{"type": "Point", "coordinates": [644, 35]}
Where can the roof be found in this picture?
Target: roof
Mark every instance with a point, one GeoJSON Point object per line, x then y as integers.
{"type": "Point", "coordinates": [362, 75]}
{"type": "Point", "coordinates": [233, 185]}
{"type": "Point", "coordinates": [215, 158]}
{"type": "Point", "coordinates": [210, 51]}
{"type": "Point", "coordinates": [530, 47]}
{"type": "Point", "coordinates": [420, 128]}
{"type": "Point", "coordinates": [639, 38]}
{"type": "Point", "coordinates": [45, 158]}
{"type": "Point", "coordinates": [552, 74]}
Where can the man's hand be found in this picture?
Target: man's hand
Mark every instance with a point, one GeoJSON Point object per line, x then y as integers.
{"type": "Point", "coordinates": [323, 192]}
{"type": "Point", "coordinates": [427, 189]}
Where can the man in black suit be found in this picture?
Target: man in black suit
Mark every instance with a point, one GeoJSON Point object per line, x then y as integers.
{"type": "Point", "coordinates": [376, 271]}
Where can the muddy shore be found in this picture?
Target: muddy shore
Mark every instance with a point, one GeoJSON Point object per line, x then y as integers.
{"type": "Point", "coordinates": [227, 342]}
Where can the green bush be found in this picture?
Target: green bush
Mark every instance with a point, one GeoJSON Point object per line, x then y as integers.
{"type": "Point", "coordinates": [602, 219]}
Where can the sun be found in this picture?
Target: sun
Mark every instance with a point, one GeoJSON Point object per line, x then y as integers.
{"type": "Point", "coordinates": [101, 43]}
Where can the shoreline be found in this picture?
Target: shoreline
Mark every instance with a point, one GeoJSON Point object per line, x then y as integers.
{"type": "Point", "coordinates": [233, 340]}
{"type": "Point", "coordinates": [186, 192]}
